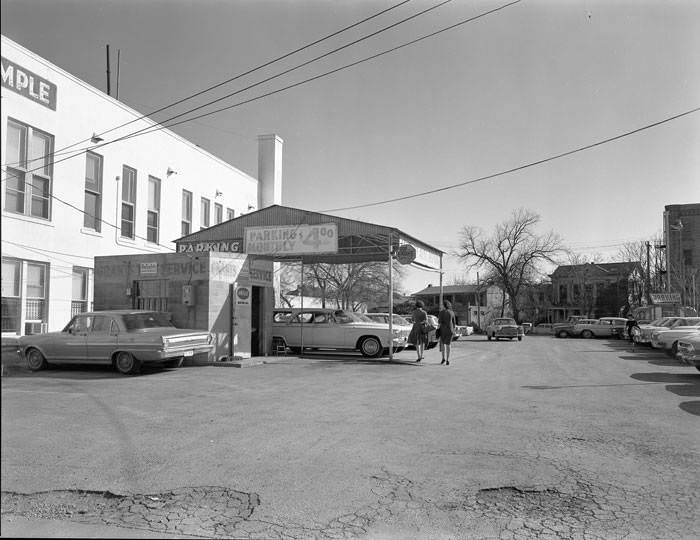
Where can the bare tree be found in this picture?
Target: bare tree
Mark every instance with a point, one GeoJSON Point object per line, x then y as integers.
{"type": "Point", "coordinates": [512, 253]}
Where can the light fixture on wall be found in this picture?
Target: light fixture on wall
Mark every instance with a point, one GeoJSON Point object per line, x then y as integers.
{"type": "Point", "coordinates": [251, 207]}
{"type": "Point", "coordinates": [218, 193]}
{"type": "Point", "coordinates": [170, 172]}
{"type": "Point", "coordinates": [95, 139]}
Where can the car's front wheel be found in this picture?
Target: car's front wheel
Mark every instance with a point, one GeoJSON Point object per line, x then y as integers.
{"type": "Point", "coordinates": [673, 350]}
{"type": "Point", "coordinates": [520, 338]}
{"type": "Point", "coordinates": [126, 364]}
{"type": "Point", "coordinates": [488, 336]}
{"type": "Point", "coordinates": [36, 360]}
{"type": "Point", "coordinates": [563, 334]}
{"type": "Point", "coordinates": [586, 334]}
{"type": "Point", "coordinates": [370, 347]}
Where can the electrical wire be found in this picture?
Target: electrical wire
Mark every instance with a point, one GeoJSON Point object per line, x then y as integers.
{"type": "Point", "coordinates": [234, 78]}
{"type": "Point", "coordinates": [518, 168]}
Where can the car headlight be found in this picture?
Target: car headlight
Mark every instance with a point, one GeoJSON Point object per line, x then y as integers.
{"type": "Point", "coordinates": [210, 338]}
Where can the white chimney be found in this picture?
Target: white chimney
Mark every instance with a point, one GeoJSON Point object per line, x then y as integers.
{"type": "Point", "coordinates": [269, 170]}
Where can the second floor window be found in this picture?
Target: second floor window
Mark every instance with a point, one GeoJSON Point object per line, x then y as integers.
{"type": "Point", "coordinates": [230, 214]}
{"type": "Point", "coordinates": [93, 192]}
{"type": "Point", "coordinates": [128, 202]}
{"type": "Point", "coordinates": [186, 212]}
{"type": "Point", "coordinates": [218, 213]}
{"type": "Point", "coordinates": [204, 213]}
{"type": "Point", "coordinates": [29, 170]}
{"type": "Point", "coordinates": [153, 215]}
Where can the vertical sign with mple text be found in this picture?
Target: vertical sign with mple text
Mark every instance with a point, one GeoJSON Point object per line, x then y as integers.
{"type": "Point", "coordinates": [28, 84]}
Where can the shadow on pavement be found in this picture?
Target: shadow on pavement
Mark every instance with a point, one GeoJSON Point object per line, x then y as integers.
{"type": "Point", "coordinates": [328, 359]}
{"type": "Point", "coordinates": [83, 372]}
{"type": "Point", "coordinates": [688, 385]}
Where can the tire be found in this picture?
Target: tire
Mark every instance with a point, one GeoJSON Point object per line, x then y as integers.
{"type": "Point", "coordinates": [371, 347]}
{"type": "Point", "coordinates": [431, 345]}
{"type": "Point", "coordinates": [673, 350]}
{"type": "Point", "coordinates": [295, 350]}
{"type": "Point", "coordinates": [562, 334]}
{"type": "Point", "coordinates": [174, 363]}
{"type": "Point", "coordinates": [36, 360]}
{"type": "Point", "coordinates": [586, 334]}
{"type": "Point", "coordinates": [520, 338]}
{"type": "Point", "coordinates": [126, 364]}
{"type": "Point", "coordinates": [488, 336]}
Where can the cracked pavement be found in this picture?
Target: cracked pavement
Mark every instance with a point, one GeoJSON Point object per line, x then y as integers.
{"type": "Point", "coordinates": [510, 442]}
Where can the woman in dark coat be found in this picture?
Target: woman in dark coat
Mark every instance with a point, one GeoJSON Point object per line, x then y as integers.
{"type": "Point", "coordinates": [418, 335]}
{"type": "Point", "coordinates": [447, 321]}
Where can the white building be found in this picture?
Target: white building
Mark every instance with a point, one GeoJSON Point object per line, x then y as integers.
{"type": "Point", "coordinates": [66, 199]}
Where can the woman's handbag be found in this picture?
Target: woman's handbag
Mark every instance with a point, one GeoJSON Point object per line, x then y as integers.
{"type": "Point", "coordinates": [437, 333]}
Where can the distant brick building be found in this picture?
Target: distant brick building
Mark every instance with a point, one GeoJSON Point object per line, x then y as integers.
{"type": "Point", "coordinates": [682, 241]}
{"type": "Point", "coordinates": [595, 290]}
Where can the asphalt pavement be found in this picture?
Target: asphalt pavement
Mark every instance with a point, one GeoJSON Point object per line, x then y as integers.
{"type": "Point", "coordinates": [543, 438]}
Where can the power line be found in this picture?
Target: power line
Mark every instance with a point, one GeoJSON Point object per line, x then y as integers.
{"type": "Point", "coordinates": [236, 77]}
{"type": "Point", "coordinates": [519, 168]}
{"type": "Point", "coordinates": [162, 125]}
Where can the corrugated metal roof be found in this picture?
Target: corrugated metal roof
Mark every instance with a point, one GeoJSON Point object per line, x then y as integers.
{"type": "Point", "coordinates": [358, 241]}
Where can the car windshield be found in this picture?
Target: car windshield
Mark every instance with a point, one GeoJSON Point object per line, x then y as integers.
{"type": "Point", "coordinates": [504, 321]}
{"type": "Point", "coordinates": [151, 319]}
{"type": "Point", "coordinates": [398, 319]}
{"type": "Point", "coordinates": [668, 322]}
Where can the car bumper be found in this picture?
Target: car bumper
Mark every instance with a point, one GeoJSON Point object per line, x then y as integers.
{"type": "Point", "coordinates": [172, 352]}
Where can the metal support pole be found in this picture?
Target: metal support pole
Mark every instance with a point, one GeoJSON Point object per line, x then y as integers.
{"type": "Point", "coordinates": [648, 277]}
{"type": "Point", "coordinates": [441, 293]}
{"type": "Point", "coordinates": [301, 319]}
{"type": "Point", "coordinates": [109, 87]}
{"type": "Point", "coordinates": [391, 303]}
{"type": "Point", "coordinates": [478, 302]}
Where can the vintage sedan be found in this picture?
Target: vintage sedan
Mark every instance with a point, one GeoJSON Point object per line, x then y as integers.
{"type": "Point", "coordinates": [397, 321]}
{"type": "Point", "coordinates": [688, 350]}
{"type": "Point", "coordinates": [432, 335]}
{"type": "Point", "coordinates": [664, 323]}
{"type": "Point", "coordinates": [667, 339]}
{"type": "Point", "coordinates": [504, 327]}
{"type": "Point", "coordinates": [126, 339]}
{"type": "Point", "coordinates": [333, 329]}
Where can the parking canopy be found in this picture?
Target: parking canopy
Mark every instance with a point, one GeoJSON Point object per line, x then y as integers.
{"type": "Point", "coordinates": [283, 233]}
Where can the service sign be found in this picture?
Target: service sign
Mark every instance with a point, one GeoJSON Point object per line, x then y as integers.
{"type": "Point", "coordinates": [28, 84]}
{"type": "Point", "coordinates": [148, 268]}
{"type": "Point", "coordinates": [292, 240]}
{"type": "Point", "coordinates": [243, 296]}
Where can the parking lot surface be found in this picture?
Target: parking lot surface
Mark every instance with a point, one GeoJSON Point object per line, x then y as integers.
{"type": "Point", "coordinates": [543, 438]}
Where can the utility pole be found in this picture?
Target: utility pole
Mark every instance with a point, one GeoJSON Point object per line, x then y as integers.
{"type": "Point", "coordinates": [478, 302]}
{"type": "Point", "coordinates": [648, 277]}
{"type": "Point", "coordinates": [109, 88]}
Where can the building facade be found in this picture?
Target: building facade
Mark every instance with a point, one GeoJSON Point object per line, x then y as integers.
{"type": "Point", "coordinates": [595, 290]}
{"type": "Point", "coordinates": [681, 230]}
{"type": "Point", "coordinates": [472, 304]}
{"type": "Point", "coordinates": [69, 194]}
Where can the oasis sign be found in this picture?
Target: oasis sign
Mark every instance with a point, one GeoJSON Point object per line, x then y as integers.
{"type": "Point", "coordinates": [28, 84]}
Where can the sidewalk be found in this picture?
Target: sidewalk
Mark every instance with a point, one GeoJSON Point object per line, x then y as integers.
{"type": "Point", "coordinates": [21, 527]}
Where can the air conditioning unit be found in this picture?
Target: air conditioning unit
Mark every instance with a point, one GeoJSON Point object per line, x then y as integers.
{"type": "Point", "coordinates": [35, 328]}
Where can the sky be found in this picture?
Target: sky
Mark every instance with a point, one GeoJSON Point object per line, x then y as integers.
{"type": "Point", "coordinates": [527, 82]}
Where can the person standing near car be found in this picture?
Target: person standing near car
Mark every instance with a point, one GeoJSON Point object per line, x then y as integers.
{"type": "Point", "coordinates": [418, 336]}
{"type": "Point", "coordinates": [447, 321]}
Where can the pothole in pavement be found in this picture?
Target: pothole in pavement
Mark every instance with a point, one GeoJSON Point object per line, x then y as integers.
{"type": "Point", "coordinates": [198, 511]}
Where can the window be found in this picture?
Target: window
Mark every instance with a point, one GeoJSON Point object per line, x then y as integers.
{"type": "Point", "coordinates": [11, 307]}
{"type": "Point", "coordinates": [29, 170]}
{"type": "Point", "coordinates": [230, 214]}
{"type": "Point", "coordinates": [36, 292]}
{"type": "Point", "coordinates": [204, 214]}
{"type": "Point", "coordinates": [218, 213]}
{"type": "Point", "coordinates": [93, 192]}
{"type": "Point", "coordinates": [186, 212]}
{"type": "Point", "coordinates": [128, 201]}
{"type": "Point", "coordinates": [153, 215]}
{"type": "Point", "coordinates": [79, 301]}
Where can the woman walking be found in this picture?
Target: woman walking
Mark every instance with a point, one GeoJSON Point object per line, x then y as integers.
{"type": "Point", "coordinates": [418, 335]}
{"type": "Point", "coordinates": [447, 321]}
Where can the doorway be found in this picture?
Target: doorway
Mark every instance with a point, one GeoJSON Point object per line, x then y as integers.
{"type": "Point", "coordinates": [256, 322]}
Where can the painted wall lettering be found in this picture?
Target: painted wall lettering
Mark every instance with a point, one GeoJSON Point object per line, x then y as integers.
{"type": "Point", "coordinates": [28, 84]}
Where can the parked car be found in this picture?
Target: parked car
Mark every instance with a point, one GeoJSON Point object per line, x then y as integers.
{"type": "Point", "coordinates": [667, 340]}
{"type": "Point", "coordinates": [660, 324]}
{"type": "Point", "coordinates": [573, 319]}
{"type": "Point", "coordinates": [619, 326]}
{"type": "Point", "coordinates": [124, 338]}
{"type": "Point", "coordinates": [688, 350]}
{"type": "Point", "coordinates": [397, 322]}
{"type": "Point", "coordinates": [589, 328]}
{"type": "Point", "coordinates": [333, 329]}
{"type": "Point", "coordinates": [543, 329]}
{"type": "Point", "coordinates": [461, 330]}
{"type": "Point", "coordinates": [504, 327]}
